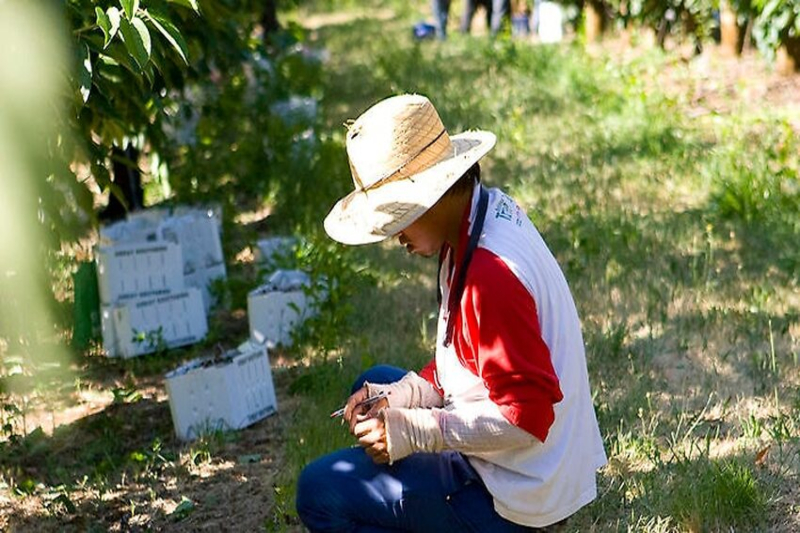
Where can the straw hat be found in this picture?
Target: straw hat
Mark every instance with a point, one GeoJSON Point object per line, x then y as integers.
{"type": "Point", "coordinates": [402, 161]}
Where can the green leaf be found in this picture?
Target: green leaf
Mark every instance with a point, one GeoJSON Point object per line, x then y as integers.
{"type": "Point", "coordinates": [118, 53]}
{"type": "Point", "coordinates": [144, 33]}
{"type": "Point", "coordinates": [64, 500]}
{"type": "Point", "coordinates": [133, 42]}
{"type": "Point", "coordinates": [188, 3]}
{"type": "Point", "coordinates": [85, 73]}
{"type": "Point", "coordinates": [183, 509]}
{"type": "Point", "coordinates": [149, 73]}
{"type": "Point", "coordinates": [171, 34]}
{"type": "Point", "coordinates": [113, 17]}
{"type": "Point", "coordinates": [105, 24]}
{"type": "Point", "coordinates": [130, 7]}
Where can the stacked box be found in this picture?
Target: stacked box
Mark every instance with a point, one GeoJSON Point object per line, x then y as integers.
{"type": "Point", "coordinates": [109, 332]}
{"type": "Point", "coordinates": [277, 307]}
{"type": "Point", "coordinates": [198, 233]}
{"type": "Point", "coordinates": [199, 239]}
{"type": "Point", "coordinates": [228, 392]}
{"type": "Point", "coordinates": [157, 253]}
{"type": "Point", "coordinates": [148, 325]}
{"type": "Point", "coordinates": [268, 250]}
{"type": "Point", "coordinates": [138, 270]}
{"type": "Point", "coordinates": [139, 229]}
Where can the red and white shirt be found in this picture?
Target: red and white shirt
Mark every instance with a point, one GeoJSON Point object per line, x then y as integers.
{"type": "Point", "coordinates": [517, 342]}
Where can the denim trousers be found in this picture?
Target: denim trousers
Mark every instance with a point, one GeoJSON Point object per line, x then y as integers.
{"type": "Point", "coordinates": [426, 492]}
{"type": "Point", "coordinates": [496, 10]}
{"type": "Point", "coordinates": [441, 12]}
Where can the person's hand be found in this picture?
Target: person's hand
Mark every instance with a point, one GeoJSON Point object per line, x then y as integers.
{"type": "Point", "coordinates": [352, 409]}
{"type": "Point", "coordinates": [371, 434]}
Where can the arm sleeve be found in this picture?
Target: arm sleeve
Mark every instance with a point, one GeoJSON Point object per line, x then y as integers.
{"type": "Point", "coordinates": [500, 333]}
{"type": "Point", "coordinates": [411, 391]}
{"type": "Point", "coordinates": [477, 428]}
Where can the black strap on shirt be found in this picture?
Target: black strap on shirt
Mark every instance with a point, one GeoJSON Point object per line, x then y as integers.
{"type": "Point", "coordinates": [457, 289]}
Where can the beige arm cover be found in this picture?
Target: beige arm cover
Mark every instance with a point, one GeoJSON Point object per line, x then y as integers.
{"type": "Point", "coordinates": [479, 427]}
{"type": "Point", "coordinates": [411, 391]}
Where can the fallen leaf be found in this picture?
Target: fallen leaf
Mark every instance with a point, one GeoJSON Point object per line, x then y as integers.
{"type": "Point", "coordinates": [761, 456]}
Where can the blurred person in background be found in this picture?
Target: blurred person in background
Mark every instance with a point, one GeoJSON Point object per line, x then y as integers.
{"type": "Point", "coordinates": [470, 8]}
{"type": "Point", "coordinates": [496, 12]}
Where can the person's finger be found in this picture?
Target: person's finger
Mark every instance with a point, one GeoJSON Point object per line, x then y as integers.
{"type": "Point", "coordinates": [376, 407]}
{"type": "Point", "coordinates": [381, 458]}
{"type": "Point", "coordinates": [355, 420]}
{"type": "Point", "coordinates": [354, 399]}
{"type": "Point", "coordinates": [372, 438]}
{"type": "Point", "coordinates": [378, 453]}
{"type": "Point", "coordinates": [365, 425]}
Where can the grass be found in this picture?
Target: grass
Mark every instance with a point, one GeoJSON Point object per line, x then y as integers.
{"type": "Point", "coordinates": [675, 234]}
{"type": "Point", "coordinates": [678, 236]}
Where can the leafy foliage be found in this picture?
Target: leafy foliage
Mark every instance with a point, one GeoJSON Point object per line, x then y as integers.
{"type": "Point", "coordinates": [778, 21]}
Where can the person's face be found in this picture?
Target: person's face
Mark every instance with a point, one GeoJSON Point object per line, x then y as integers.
{"type": "Point", "coordinates": [425, 236]}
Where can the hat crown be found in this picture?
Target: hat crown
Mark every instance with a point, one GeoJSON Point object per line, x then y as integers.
{"type": "Point", "coordinates": [395, 139]}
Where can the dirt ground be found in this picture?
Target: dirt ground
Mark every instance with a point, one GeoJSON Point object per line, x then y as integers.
{"type": "Point", "coordinates": [234, 489]}
{"type": "Point", "coordinates": [229, 481]}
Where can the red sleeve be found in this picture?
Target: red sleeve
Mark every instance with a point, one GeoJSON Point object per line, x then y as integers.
{"type": "Point", "coordinates": [429, 373]}
{"type": "Point", "coordinates": [498, 330]}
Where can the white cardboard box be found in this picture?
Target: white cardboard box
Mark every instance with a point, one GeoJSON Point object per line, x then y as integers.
{"type": "Point", "coordinates": [230, 392]}
{"type": "Point", "coordinates": [199, 238]}
{"type": "Point", "coordinates": [269, 249]}
{"type": "Point", "coordinates": [108, 330]}
{"type": "Point", "coordinates": [146, 325]}
{"type": "Point", "coordinates": [138, 270]}
{"type": "Point", "coordinates": [139, 229]}
{"type": "Point", "coordinates": [273, 315]}
{"type": "Point", "coordinates": [275, 308]}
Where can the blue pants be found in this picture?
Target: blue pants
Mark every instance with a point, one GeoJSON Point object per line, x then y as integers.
{"type": "Point", "coordinates": [496, 10]}
{"type": "Point", "coordinates": [425, 492]}
{"type": "Point", "coordinates": [500, 10]}
{"type": "Point", "coordinates": [441, 12]}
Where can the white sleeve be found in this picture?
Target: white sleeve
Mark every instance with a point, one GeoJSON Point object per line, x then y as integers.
{"type": "Point", "coordinates": [481, 427]}
{"type": "Point", "coordinates": [411, 391]}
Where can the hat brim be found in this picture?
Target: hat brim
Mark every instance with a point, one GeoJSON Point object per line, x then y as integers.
{"type": "Point", "coordinates": [364, 217]}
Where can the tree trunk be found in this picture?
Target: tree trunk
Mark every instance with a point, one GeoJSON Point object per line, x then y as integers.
{"type": "Point", "coordinates": [788, 58]}
{"type": "Point", "coordinates": [661, 33]}
{"type": "Point", "coordinates": [593, 28]}
{"type": "Point", "coordinates": [269, 20]}
{"type": "Point", "coordinates": [729, 30]}
{"type": "Point", "coordinates": [127, 177]}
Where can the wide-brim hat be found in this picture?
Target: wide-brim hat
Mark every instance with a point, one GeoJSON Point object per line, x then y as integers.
{"type": "Point", "coordinates": [402, 161]}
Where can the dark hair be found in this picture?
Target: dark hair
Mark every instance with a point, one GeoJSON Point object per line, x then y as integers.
{"type": "Point", "coordinates": [467, 181]}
